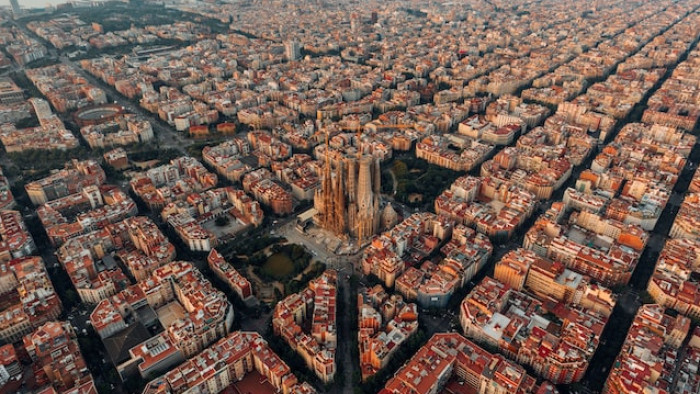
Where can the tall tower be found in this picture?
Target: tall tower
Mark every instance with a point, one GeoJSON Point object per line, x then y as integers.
{"type": "Point", "coordinates": [377, 178]}
{"type": "Point", "coordinates": [292, 49]}
{"type": "Point", "coordinates": [16, 10]}
{"type": "Point", "coordinates": [364, 185]}
{"type": "Point", "coordinates": [338, 215]}
{"type": "Point", "coordinates": [327, 195]}
{"type": "Point", "coordinates": [352, 186]}
{"type": "Point", "coordinates": [367, 217]}
{"type": "Point", "coordinates": [354, 22]}
{"type": "Point", "coordinates": [348, 200]}
{"type": "Point", "coordinates": [376, 201]}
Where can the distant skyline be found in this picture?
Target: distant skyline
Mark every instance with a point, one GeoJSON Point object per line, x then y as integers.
{"type": "Point", "coordinates": [34, 3]}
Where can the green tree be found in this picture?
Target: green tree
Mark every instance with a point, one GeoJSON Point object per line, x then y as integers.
{"type": "Point", "coordinates": [71, 298]}
{"type": "Point", "coordinates": [222, 221]}
{"type": "Point", "coordinates": [400, 169]}
{"type": "Point", "coordinates": [646, 298]}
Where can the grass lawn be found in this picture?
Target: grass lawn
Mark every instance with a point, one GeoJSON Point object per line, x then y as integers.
{"type": "Point", "coordinates": [278, 266]}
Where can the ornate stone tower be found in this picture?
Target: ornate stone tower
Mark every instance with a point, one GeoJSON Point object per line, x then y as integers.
{"type": "Point", "coordinates": [348, 201]}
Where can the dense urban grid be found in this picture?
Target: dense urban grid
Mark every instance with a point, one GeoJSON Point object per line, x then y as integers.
{"type": "Point", "coordinates": [354, 196]}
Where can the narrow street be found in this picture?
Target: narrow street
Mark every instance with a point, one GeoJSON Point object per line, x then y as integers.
{"type": "Point", "coordinates": [344, 359]}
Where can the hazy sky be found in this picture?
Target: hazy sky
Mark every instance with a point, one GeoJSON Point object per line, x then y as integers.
{"type": "Point", "coordinates": [33, 3]}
